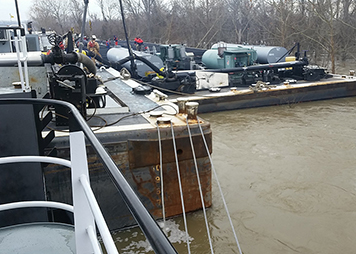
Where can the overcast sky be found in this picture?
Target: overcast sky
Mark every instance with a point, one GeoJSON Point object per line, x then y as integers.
{"type": "Point", "coordinates": [7, 7]}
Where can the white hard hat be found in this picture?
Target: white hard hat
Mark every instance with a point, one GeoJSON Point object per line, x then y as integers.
{"type": "Point", "coordinates": [93, 36]}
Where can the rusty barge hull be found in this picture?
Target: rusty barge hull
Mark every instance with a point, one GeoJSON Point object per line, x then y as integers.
{"type": "Point", "coordinates": [137, 155]}
{"type": "Point", "coordinates": [242, 98]}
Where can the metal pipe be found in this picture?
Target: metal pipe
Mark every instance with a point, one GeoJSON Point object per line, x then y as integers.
{"type": "Point", "coordinates": [18, 13]}
{"type": "Point", "coordinates": [261, 67]}
{"type": "Point", "coordinates": [153, 233]}
{"type": "Point", "coordinates": [10, 59]}
{"type": "Point", "coordinates": [86, 2]}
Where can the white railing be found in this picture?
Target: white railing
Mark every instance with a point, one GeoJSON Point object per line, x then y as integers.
{"type": "Point", "coordinates": [21, 52]}
{"type": "Point", "coordinates": [85, 207]}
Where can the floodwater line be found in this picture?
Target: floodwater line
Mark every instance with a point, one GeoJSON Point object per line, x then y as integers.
{"type": "Point", "coordinates": [200, 189]}
{"type": "Point", "coordinates": [218, 183]}
{"type": "Point", "coordinates": [180, 188]}
{"type": "Point", "coordinates": [161, 175]}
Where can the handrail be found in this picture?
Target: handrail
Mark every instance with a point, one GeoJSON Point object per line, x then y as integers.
{"type": "Point", "coordinates": [33, 158]}
{"type": "Point", "coordinates": [153, 233]}
{"type": "Point", "coordinates": [104, 231]}
{"type": "Point", "coordinates": [27, 204]}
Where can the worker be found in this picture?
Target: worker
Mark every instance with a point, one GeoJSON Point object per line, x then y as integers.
{"type": "Point", "coordinates": [108, 44]}
{"type": "Point", "coordinates": [138, 43]}
{"type": "Point", "coordinates": [93, 47]}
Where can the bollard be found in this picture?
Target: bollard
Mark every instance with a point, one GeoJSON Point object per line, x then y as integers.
{"type": "Point", "coordinates": [181, 105]}
{"type": "Point", "coordinates": [192, 109]}
{"type": "Point", "coordinates": [163, 120]}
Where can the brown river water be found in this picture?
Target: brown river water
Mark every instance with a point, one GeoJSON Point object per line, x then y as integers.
{"type": "Point", "coordinates": [288, 176]}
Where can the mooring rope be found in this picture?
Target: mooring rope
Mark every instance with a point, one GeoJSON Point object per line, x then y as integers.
{"type": "Point", "coordinates": [161, 174]}
{"type": "Point", "coordinates": [180, 189]}
{"type": "Point", "coordinates": [200, 189]}
{"type": "Point", "coordinates": [217, 181]}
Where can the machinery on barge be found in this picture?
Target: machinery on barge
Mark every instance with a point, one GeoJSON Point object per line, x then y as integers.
{"type": "Point", "coordinates": [176, 69]}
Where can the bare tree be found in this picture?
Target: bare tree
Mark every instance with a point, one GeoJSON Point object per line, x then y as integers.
{"type": "Point", "coordinates": [324, 27]}
{"type": "Point", "coordinates": [51, 14]}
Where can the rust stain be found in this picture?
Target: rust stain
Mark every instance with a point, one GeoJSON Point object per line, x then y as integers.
{"type": "Point", "coordinates": [171, 191]}
{"type": "Point", "coordinates": [146, 152]}
{"type": "Point", "coordinates": [33, 80]}
{"type": "Point", "coordinates": [150, 194]}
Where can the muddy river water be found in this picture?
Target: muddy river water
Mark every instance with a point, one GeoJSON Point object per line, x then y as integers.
{"type": "Point", "coordinates": [288, 174]}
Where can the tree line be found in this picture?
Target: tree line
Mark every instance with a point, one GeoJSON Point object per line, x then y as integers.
{"type": "Point", "coordinates": [325, 28]}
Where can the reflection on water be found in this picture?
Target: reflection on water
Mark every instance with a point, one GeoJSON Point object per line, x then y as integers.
{"type": "Point", "coordinates": [287, 173]}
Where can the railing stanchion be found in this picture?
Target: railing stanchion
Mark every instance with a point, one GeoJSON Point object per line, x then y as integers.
{"type": "Point", "coordinates": [82, 212]}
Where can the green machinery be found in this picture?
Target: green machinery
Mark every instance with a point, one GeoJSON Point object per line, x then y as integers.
{"type": "Point", "coordinates": [229, 57]}
{"type": "Point", "coordinates": [225, 57]}
{"type": "Point", "coordinates": [175, 57]}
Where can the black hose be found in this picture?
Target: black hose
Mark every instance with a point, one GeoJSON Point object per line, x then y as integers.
{"type": "Point", "coordinates": [151, 65]}
{"type": "Point", "coordinates": [144, 60]}
{"type": "Point", "coordinates": [87, 62]}
{"type": "Point", "coordinates": [72, 58]}
{"type": "Point", "coordinates": [133, 65]}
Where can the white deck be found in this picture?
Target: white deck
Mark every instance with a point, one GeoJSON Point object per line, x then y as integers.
{"type": "Point", "coordinates": [52, 238]}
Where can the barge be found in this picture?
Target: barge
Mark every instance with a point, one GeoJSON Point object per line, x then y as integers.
{"type": "Point", "coordinates": [262, 94]}
{"type": "Point", "coordinates": [229, 77]}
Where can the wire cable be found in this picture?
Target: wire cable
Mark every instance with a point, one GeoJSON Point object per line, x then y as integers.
{"type": "Point", "coordinates": [200, 189]}
{"type": "Point", "coordinates": [161, 174]}
{"type": "Point", "coordinates": [180, 189]}
{"type": "Point", "coordinates": [218, 183]}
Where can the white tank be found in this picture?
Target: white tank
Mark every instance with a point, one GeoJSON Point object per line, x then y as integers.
{"type": "Point", "coordinates": [265, 54]}
{"type": "Point", "coordinates": [116, 54]}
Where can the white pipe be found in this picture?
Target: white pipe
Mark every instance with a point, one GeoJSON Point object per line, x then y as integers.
{"type": "Point", "coordinates": [10, 59]}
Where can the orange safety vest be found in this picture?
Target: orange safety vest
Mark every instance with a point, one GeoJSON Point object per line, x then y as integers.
{"type": "Point", "coordinates": [138, 40]}
{"type": "Point", "coordinates": [91, 44]}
